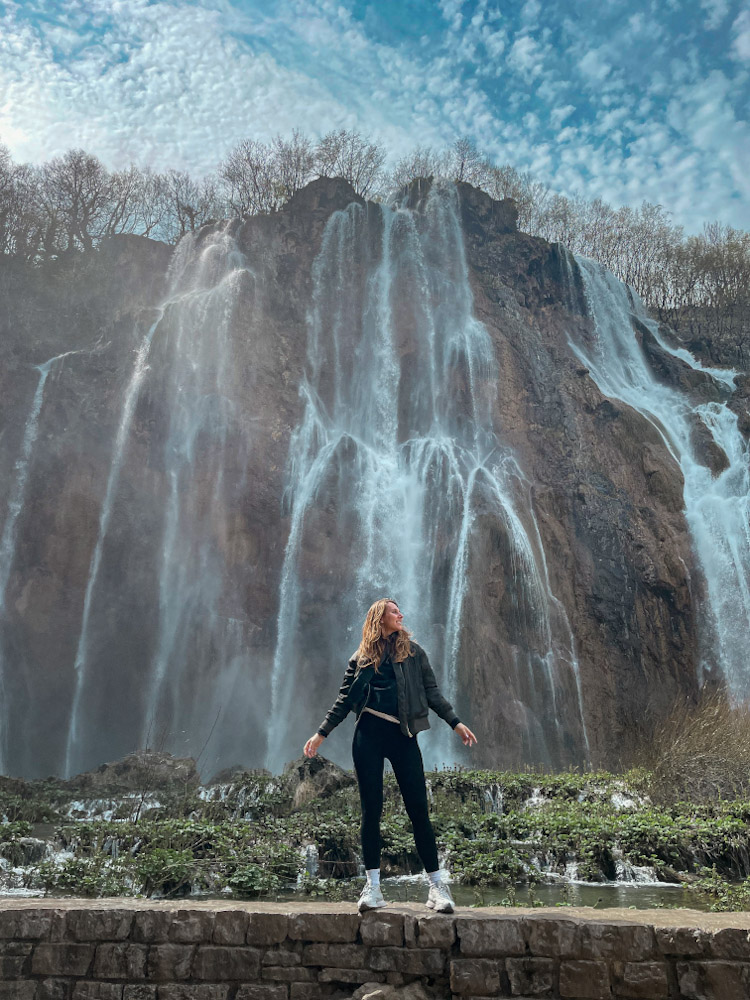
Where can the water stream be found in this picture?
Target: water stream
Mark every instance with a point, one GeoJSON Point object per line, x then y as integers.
{"type": "Point", "coordinates": [16, 500]}
{"type": "Point", "coordinates": [187, 359]}
{"type": "Point", "coordinates": [396, 454]}
{"type": "Point", "coordinates": [717, 506]}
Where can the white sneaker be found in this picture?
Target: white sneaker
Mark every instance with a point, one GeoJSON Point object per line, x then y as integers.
{"type": "Point", "coordinates": [439, 898]}
{"type": "Point", "coordinates": [370, 898]}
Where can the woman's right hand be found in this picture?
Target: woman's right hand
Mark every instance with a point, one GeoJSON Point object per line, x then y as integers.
{"type": "Point", "coordinates": [311, 747]}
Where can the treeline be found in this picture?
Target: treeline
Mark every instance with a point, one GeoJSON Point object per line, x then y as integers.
{"type": "Point", "coordinates": [700, 285]}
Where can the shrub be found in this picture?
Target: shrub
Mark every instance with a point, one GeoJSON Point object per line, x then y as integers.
{"type": "Point", "coordinates": [701, 753]}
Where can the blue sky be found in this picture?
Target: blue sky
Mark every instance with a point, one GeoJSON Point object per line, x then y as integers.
{"type": "Point", "coordinates": [623, 101]}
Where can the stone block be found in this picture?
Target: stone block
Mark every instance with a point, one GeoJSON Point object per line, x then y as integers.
{"type": "Point", "coordinates": [25, 924]}
{"type": "Point", "coordinates": [262, 991]}
{"type": "Point", "coordinates": [643, 980]}
{"type": "Point", "coordinates": [438, 931]}
{"type": "Point", "coordinates": [219, 963]}
{"type": "Point", "coordinates": [191, 927]}
{"type": "Point", "coordinates": [14, 959]}
{"type": "Point", "coordinates": [311, 991]}
{"type": "Point", "coordinates": [584, 980]}
{"type": "Point", "coordinates": [476, 976]}
{"type": "Point", "coordinates": [53, 989]}
{"type": "Point", "coordinates": [619, 941]}
{"type": "Point", "coordinates": [17, 991]}
{"type": "Point", "coordinates": [151, 926]}
{"type": "Point", "coordinates": [410, 931]}
{"type": "Point", "coordinates": [350, 976]}
{"type": "Point", "coordinates": [268, 928]}
{"type": "Point", "coordinates": [324, 926]}
{"type": "Point", "coordinates": [62, 959]}
{"type": "Point", "coordinates": [382, 929]}
{"type": "Point", "coordinates": [230, 927]}
{"type": "Point", "coordinates": [531, 977]}
{"type": "Point", "coordinates": [98, 925]}
{"type": "Point", "coordinates": [139, 991]}
{"type": "Point", "coordinates": [684, 941]}
{"type": "Point", "coordinates": [97, 991]}
{"type": "Point", "coordinates": [190, 991]}
{"type": "Point", "coordinates": [121, 960]}
{"type": "Point", "coordinates": [732, 943]}
{"type": "Point", "coordinates": [553, 937]}
{"type": "Point", "coordinates": [283, 974]}
{"type": "Point", "coordinates": [342, 956]}
{"type": "Point", "coordinates": [485, 936]}
{"type": "Point", "coordinates": [714, 980]}
{"type": "Point", "coordinates": [168, 962]}
{"type": "Point", "coordinates": [283, 955]}
{"type": "Point", "coordinates": [417, 961]}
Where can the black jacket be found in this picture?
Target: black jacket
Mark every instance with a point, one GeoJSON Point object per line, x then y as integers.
{"type": "Point", "coordinates": [416, 688]}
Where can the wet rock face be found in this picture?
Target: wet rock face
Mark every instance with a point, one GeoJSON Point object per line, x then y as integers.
{"type": "Point", "coordinates": [597, 492]}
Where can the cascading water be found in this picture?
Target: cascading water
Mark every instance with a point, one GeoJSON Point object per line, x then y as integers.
{"type": "Point", "coordinates": [15, 506]}
{"type": "Point", "coordinates": [186, 366]}
{"type": "Point", "coordinates": [717, 506]}
{"type": "Point", "coordinates": [395, 455]}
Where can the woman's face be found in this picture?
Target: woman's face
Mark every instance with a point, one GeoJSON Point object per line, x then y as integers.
{"type": "Point", "coordinates": [391, 620]}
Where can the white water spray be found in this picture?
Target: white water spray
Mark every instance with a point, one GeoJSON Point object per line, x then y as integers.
{"type": "Point", "coordinates": [192, 330]}
{"type": "Point", "coordinates": [15, 506]}
{"type": "Point", "coordinates": [395, 454]}
{"type": "Point", "coordinates": [717, 507]}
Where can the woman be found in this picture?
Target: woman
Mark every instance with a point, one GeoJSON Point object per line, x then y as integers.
{"type": "Point", "coordinates": [390, 686]}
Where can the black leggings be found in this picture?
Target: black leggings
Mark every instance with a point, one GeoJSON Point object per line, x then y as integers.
{"type": "Point", "coordinates": [374, 740]}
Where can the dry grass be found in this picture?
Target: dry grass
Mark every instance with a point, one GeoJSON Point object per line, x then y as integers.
{"type": "Point", "coordinates": [700, 753]}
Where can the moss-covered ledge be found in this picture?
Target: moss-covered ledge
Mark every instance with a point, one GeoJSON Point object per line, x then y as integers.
{"type": "Point", "coordinates": [126, 949]}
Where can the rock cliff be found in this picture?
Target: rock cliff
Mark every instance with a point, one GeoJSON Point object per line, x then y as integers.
{"type": "Point", "coordinates": [167, 585]}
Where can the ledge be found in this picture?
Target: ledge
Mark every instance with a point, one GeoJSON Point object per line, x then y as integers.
{"type": "Point", "coordinates": [137, 949]}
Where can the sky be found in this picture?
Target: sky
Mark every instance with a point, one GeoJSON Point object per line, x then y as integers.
{"type": "Point", "coordinates": [622, 101]}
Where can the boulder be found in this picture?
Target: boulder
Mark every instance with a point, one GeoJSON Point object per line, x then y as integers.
{"type": "Point", "coordinates": [144, 770]}
{"type": "Point", "coordinates": [314, 778]}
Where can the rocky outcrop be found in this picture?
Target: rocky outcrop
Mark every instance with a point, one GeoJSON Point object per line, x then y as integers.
{"type": "Point", "coordinates": [315, 778]}
{"type": "Point", "coordinates": [143, 771]}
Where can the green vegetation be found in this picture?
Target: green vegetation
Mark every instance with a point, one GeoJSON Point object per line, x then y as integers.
{"type": "Point", "coordinates": [492, 827]}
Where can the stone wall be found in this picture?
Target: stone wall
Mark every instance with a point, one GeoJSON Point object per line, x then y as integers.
{"type": "Point", "coordinates": [146, 950]}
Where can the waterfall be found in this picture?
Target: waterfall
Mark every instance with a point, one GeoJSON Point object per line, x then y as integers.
{"type": "Point", "coordinates": [187, 360]}
{"type": "Point", "coordinates": [395, 456]}
{"type": "Point", "coordinates": [717, 506]}
{"type": "Point", "coordinates": [81, 659]}
{"type": "Point", "coordinates": [15, 506]}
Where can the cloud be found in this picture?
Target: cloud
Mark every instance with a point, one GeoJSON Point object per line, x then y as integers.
{"type": "Point", "coordinates": [526, 57]}
{"type": "Point", "coordinates": [716, 11]}
{"type": "Point", "coordinates": [741, 37]}
{"type": "Point", "coordinates": [594, 66]}
{"type": "Point", "coordinates": [621, 103]}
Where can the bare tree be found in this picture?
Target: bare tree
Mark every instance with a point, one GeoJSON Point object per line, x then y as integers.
{"type": "Point", "coordinates": [345, 153]}
{"type": "Point", "coordinates": [189, 204]}
{"type": "Point", "coordinates": [293, 163]}
{"type": "Point", "coordinates": [464, 162]}
{"type": "Point", "coordinates": [74, 194]}
{"type": "Point", "coordinates": [121, 214]}
{"type": "Point", "coordinates": [423, 161]}
{"type": "Point", "coordinates": [249, 178]}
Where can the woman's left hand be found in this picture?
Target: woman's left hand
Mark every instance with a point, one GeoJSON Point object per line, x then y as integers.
{"type": "Point", "coordinates": [468, 738]}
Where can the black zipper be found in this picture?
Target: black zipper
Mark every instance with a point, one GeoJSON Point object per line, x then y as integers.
{"type": "Point", "coordinates": [367, 698]}
{"type": "Point", "coordinates": [403, 678]}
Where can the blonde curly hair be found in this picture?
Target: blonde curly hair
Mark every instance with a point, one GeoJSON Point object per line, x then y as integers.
{"type": "Point", "coordinates": [370, 651]}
